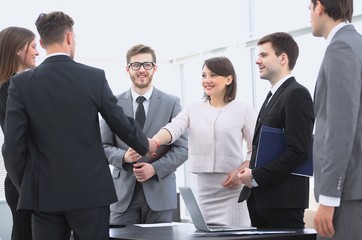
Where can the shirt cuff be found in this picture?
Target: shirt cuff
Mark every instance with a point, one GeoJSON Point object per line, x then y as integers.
{"type": "Point", "coordinates": [329, 201]}
{"type": "Point", "coordinates": [252, 180]}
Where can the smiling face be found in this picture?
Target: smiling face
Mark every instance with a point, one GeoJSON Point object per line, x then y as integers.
{"type": "Point", "coordinates": [27, 55]}
{"type": "Point", "coordinates": [141, 78]}
{"type": "Point", "coordinates": [270, 65]}
{"type": "Point", "coordinates": [214, 85]}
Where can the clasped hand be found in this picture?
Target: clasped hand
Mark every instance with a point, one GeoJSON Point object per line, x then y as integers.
{"type": "Point", "coordinates": [153, 145]}
{"type": "Point", "coordinates": [232, 180]}
{"type": "Point", "coordinates": [143, 171]}
{"type": "Point", "coordinates": [131, 156]}
{"type": "Point", "coordinates": [245, 176]}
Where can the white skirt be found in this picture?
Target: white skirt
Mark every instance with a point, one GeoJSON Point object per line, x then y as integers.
{"type": "Point", "coordinates": [219, 205]}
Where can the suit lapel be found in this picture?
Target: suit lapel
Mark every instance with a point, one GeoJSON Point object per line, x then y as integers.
{"type": "Point", "coordinates": [125, 101]}
{"type": "Point", "coordinates": [273, 99]}
{"type": "Point", "coordinates": [155, 101]}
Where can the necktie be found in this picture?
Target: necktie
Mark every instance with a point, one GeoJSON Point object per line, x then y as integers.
{"type": "Point", "coordinates": [264, 104]}
{"type": "Point", "coordinates": [140, 111]}
{"type": "Point", "coordinates": [266, 100]}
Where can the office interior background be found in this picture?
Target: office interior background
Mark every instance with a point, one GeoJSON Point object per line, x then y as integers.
{"type": "Point", "coordinates": [183, 34]}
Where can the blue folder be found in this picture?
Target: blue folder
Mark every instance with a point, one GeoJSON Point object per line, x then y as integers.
{"type": "Point", "coordinates": [272, 144]}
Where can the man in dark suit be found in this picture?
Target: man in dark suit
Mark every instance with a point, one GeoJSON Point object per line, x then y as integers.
{"type": "Point", "coordinates": [276, 198]}
{"type": "Point", "coordinates": [146, 187]}
{"type": "Point", "coordinates": [53, 150]}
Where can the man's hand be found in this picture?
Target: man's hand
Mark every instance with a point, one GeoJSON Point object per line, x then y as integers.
{"type": "Point", "coordinates": [131, 156]}
{"type": "Point", "coordinates": [232, 180]}
{"type": "Point", "coordinates": [153, 145]}
{"type": "Point", "coordinates": [323, 221]}
{"type": "Point", "coordinates": [245, 177]}
{"type": "Point", "coordinates": [143, 171]}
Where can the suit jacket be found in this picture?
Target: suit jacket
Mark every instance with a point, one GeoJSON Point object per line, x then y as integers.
{"type": "Point", "coordinates": [338, 108]}
{"type": "Point", "coordinates": [53, 150]}
{"type": "Point", "coordinates": [160, 190]}
{"type": "Point", "coordinates": [291, 108]}
{"type": "Point", "coordinates": [3, 98]}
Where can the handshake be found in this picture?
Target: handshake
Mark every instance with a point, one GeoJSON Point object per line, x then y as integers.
{"type": "Point", "coordinates": [161, 138]}
{"type": "Point", "coordinates": [153, 144]}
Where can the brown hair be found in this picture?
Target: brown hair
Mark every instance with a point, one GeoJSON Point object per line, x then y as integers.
{"type": "Point", "coordinates": [53, 26]}
{"type": "Point", "coordinates": [283, 43]}
{"type": "Point", "coordinates": [337, 9]}
{"type": "Point", "coordinates": [140, 48]}
{"type": "Point", "coordinates": [222, 66]}
{"type": "Point", "coordinates": [11, 40]}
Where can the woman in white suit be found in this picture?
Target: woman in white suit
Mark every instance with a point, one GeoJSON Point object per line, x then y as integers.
{"type": "Point", "coordinates": [217, 127]}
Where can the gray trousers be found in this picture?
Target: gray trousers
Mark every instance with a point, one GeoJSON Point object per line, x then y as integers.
{"type": "Point", "coordinates": [138, 212]}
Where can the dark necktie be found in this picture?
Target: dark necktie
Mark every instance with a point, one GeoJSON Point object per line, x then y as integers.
{"type": "Point", "coordinates": [264, 104]}
{"type": "Point", "coordinates": [140, 111]}
{"type": "Point", "coordinates": [266, 101]}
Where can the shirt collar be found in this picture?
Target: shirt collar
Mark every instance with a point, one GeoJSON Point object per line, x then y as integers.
{"type": "Point", "coordinates": [147, 95]}
{"type": "Point", "coordinates": [279, 83]}
{"type": "Point", "coordinates": [334, 31]}
{"type": "Point", "coordinates": [57, 54]}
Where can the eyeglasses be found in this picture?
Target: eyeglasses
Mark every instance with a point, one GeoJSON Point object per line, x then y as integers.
{"type": "Point", "coordinates": [137, 65]}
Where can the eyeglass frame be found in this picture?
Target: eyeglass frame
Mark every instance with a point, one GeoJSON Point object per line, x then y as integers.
{"type": "Point", "coordinates": [142, 64]}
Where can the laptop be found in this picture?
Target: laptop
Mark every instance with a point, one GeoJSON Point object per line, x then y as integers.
{"type": "Point", "coordinates": [197, 218]}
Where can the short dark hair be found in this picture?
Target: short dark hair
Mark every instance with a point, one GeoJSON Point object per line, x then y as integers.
{"type": "Point", "coordinates": [283, 43]}
{"type": "Point", "coordinates": [53, 26]}
{"type": "Point", "coordinates": [222, 66]}
{"type": "Point", "coordinates": [138, 49]}
{"type": "Point", "coordinates": [337, 9]}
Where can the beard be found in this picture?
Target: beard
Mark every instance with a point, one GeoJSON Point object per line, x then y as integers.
{"type": "Point", "coordinates": [144, 83]}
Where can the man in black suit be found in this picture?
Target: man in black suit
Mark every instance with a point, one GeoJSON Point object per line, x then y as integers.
{"type": "Point", "coordinates": [276, 198]}
{"type": "Point", "coordinates": [53, 150]}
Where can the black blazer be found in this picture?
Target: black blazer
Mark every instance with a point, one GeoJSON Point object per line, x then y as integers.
{"type": "Point", "coordinates": [3, 98]}
{"type": "Point", "coordinates": [53, 150]}
{"type": "Point", "coordinates": [291, 108]}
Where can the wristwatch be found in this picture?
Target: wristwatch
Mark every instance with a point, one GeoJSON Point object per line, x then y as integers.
{"type": "Point", "coordinates": [252, 180]}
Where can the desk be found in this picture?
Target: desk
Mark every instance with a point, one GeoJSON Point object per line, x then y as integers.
{"type": "Point", "coordinates": [188, 232]}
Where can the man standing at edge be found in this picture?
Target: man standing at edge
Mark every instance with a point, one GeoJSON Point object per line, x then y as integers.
{"type": "Point", "coordinates": [146, 187]}
{"type": "Point", "coordinates": [53, 150]}
{"type": "Point", "coordinates": [338, 129]}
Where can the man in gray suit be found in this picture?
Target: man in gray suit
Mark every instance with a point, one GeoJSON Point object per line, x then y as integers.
{"type": "Point", "coordinates": [146, 187]}
{"type": "Point", "coordinates": [338, 128]}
